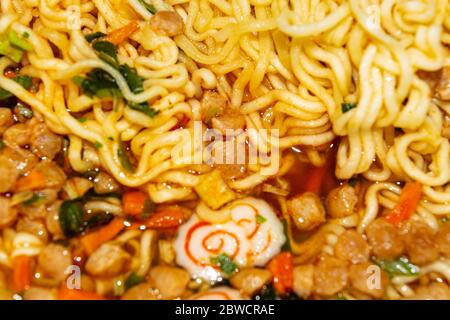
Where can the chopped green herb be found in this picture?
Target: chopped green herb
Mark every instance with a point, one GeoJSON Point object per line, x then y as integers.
{"type": "Point", "coordinates": [267, 293]}
{"type": "Point", "coordinates": [443, 219]}
{"type": "Point", "coordinates": [132, 280]}
{"type": "Point", "coordinates": [347, 106]}
{"type": "Point", "coordinates": [260, 219]}
{"type": "Point", "coordinates": [91, 174]}
{"type": "Point", "coordinates": [78, 80]}
{"type": "Point", "coordinates": [2, 144]}
{"type": "Point", "coordinates": [98, 219]}
{"type": "Point", "coordinates": [144, 108]}
{"type": "Point", "coordinates": [92, 195]}
{"type": "Point", "coordinates": [98, 83]}
{"type": "Point", "coordinates": [71, 215]}
{"type": "Point", "coordinates": [73, 219]}
{"type": "Point", "coordinates": [123, 158]}
{"type": "Point", "coordinates": [149, 208]}
{"type": "Point", "coordinates": [224, 262]}
{"type": "Point", "coordinates": [401, 266]}
{"type": "Point", "coordinates": [26, 35]}
{"type": "Point", "coordinates": [24, 81]}
{"type": "Point", "coordinates": [111, 138]}
{"type": "Point", "coordinates": [9, 50]}
{"type": "Point", "coordinates": [353, 181]}
{"type": "Point", "coordinates": [135, 82]}
{"type": "Point", "coordinates": [150, 8]}
{"type": "Point", "coordinates": [101, 84]}
{"type": "Point", "coordinates": [287, 245]}
{"type": "Point", "coordinates": [82, 120]}
{"type": "Point", "coordinates": [94, 36]}
{"type": "Point", "coordinates": [19, 42]}
{"type": "Point", "coordinates": [340, 296]}
{"type": "Point", "coordinates": [106, 51]}
{"type": "Point", "coordinates": [25, 111]}
{"type": "Point", "coordinates": [97, 145]}
{"type": "Point", "coordinates": [35, 199]}
{"type": "Point", "coordinates": [63, 242]}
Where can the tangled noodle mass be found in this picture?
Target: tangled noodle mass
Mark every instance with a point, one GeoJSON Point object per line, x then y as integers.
{"type": "Point", "coordinates": [316, 71]}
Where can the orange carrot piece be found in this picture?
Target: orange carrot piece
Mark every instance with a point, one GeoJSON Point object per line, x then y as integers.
{"type": "Point", "coordinates": [120, 35]}
{"type": "Point", "coordinates": [33, 181]}
{"type": "Point", "coordinates": [95, 239]}
{"type": "Point", "coordinates": [65, 293]}
{"type": "Point", "coordinates": [282, 268]}
{"type": "Point", "coordinates": [22, 273]}
{"type": "Point", "coordinates": [407, 204]}
{"type": "Point", "coordinates": [134, 202]}
{"type": "Point", "coordinates": [165, 219]}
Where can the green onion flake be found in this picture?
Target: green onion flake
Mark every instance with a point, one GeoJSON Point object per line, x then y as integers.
{"type": "Point", "coordinates": [144, 108]}
{"type": "Point", "coordinates": [260, 219]}
{"type": "Point", "coordinates": [347, 106]}
{"type": "Point", "coordinates": [123, 158]}
{"type": "Point", "coordinates": [25, 111]}
{"type": "Point", "coordinates": [94, 36]}
{"type": "Point", "coordinates": [401, 266]}
{"type": "Point", "coordinates": [132, 280]}
{"type": "Point", "coordinates": [224, 262]}
{"type": "Point", "coordinates": [24, 81]}
{"type": "Point", "coordinates": [150, 8]}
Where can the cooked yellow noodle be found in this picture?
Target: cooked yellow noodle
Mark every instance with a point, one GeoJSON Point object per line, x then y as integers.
{"type": "Point", "coordinates": [293, 63]}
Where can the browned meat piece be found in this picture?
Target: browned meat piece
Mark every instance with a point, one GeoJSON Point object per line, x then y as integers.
{"type": "Point", "coordinates": [306, 210]}
{"type": "Point", "coordinates": [104, 183]}
{"type": "Point", "coordinates": [18, 134]}
{"type": "Point", "coordinates": [434, 291]}
{"type": "Point", "coordinates": [385, 239]}
{"type": "Point", "coordinates": [303, 280]}
{"type": "Point", "coordinates": [330, 276]}
{"type": "Point", "coordinates": [107, 261]}
{"type": "Point", "coordinates": [443, 239]}
{"type": "Point", "coordinates": [212, 104]}
{"type": "Point", "coordinates": [8, 214]}
{"type": "Point", "coordinates": [368, 281]}
{"type": "Point", "coordinates": [39, 293]}
{"type": "Point", "coordinates": [351, 246]}
{"type": "Point", "coordinates": [420, 243]}
{"type": "Point", "coordinates": [34, 227]}
{"type": "Point", "coordinates": [8, 172]}
{"type": "Point", "coordinates": [54, 175]}
{"type": "Point", "coordinates": [341, 201]}
{"type": "Point", "coordinates": [54, 261]}
{"type": "Point", "coordinates": [170, 281]}
{"type": "Point", "coordinates": [52, 220]}
{"type": "Point", "coordinates": [45, 143]}
{"type": "Point", "coordinates": [251, 280]}
{"type": "Point", "coordinates": [23, 160]}
{"type": "Point", "coordinates": [230, 119]}
{"type": "Point", "coordinates": [143, 291]}
{"type": "Point", "coordinates": [39, 209]}
{"type": "Point", "coordinates": [167, 23]}
{"type": "Point", "coordinates": [6, 119]}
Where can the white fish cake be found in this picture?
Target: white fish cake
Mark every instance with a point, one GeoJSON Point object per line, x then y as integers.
{"type": "Point", "coordinates": [251, 237]}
